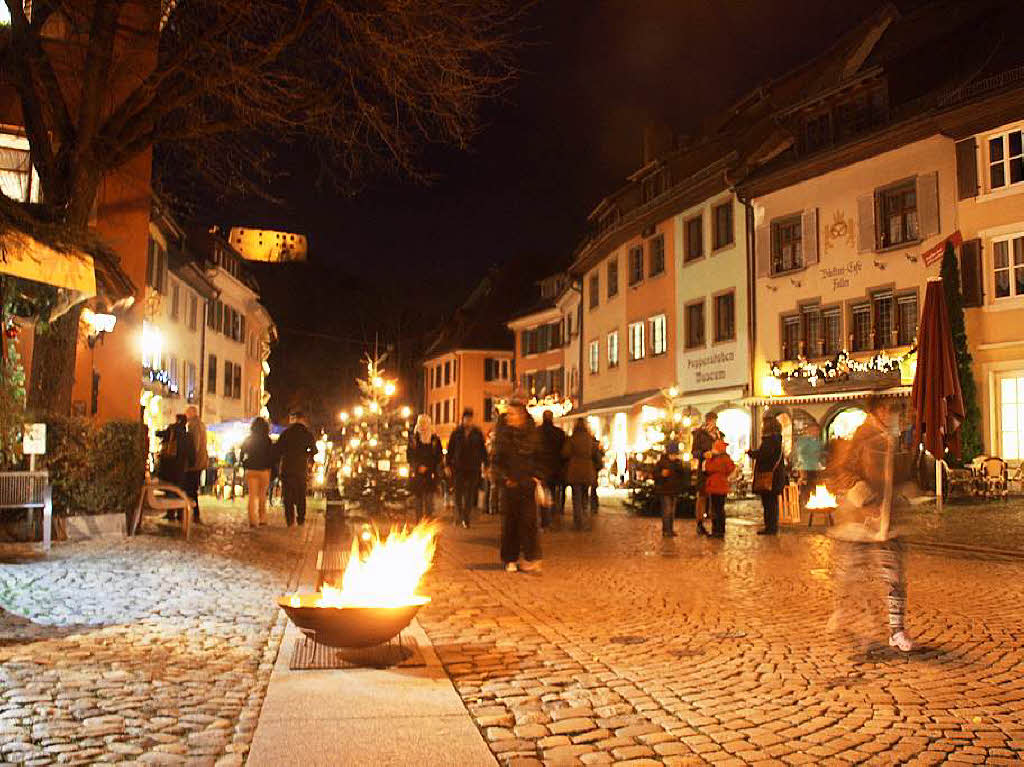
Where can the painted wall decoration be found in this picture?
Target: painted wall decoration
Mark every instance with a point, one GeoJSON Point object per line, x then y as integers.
{"type": "Point", "coordinates": [841, 230]}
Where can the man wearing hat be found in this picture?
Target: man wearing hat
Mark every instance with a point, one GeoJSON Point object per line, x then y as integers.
{"type": "Point", "coordinates": [467, 455]}
{"type": "Point", "coordinates": [670, 480]}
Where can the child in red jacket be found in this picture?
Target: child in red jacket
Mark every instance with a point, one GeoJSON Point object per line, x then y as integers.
{"type": "Point", "coordinates": [718, 467]}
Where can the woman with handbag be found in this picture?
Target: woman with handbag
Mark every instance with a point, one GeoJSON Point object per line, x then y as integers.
{"type": "Point", "coordinates": [769, 472]}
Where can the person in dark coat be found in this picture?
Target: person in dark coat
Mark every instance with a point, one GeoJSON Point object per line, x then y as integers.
{"type": "Point", "coordinates": [425, 459]}
{"type": "Point", "coordinates": [515, 466]}
{"type": "Point", "coordinates": [670, 481]}
{"type": "Point", "coordinates": [257, 456]}
{"type": "Point", "coordinates": [467, 455]}
{"type": "Point", "coordinates": [580, 451]}
{"type": "Point", "coordinates": [295, 449]}
{"type": "Point", "coordinates": [768, 457]}
{"type": "Point", "coordinates": [177, 454]}
{"type": "Point", "coordinates": [552, 439]}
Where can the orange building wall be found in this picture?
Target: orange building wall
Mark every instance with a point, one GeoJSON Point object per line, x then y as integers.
{"type": "Point", "coordinates": [651, 297]}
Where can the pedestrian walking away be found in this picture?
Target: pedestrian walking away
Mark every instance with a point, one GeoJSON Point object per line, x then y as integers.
{"type": "Point", "coordinates": [177, 454]}
{"type": "Point", "coordinates": [425, 459]}
{"type": "Point", "coordinates": [196, 430]}
{"type": "Point", "coordinates": [718, 468]}
{"type": "Point", "coordinates": [670, 480]}
{"type": "Point", "coordinates": [580, 451]}
{"type": "Point", "coordinates": [552, 440]}
{"type": "Point", "coordinates": [866, 536]}
{"type": "Point", "coordinates": [704, 437]}
{"type": "Point", "coordinates": [295, 449]}
{"type": "Point", "coordinates": [466, 459]}
{"type": "Point", "coordinates": [516, 467]}
{"type": "Point", "coordinates": [769, 473]}
{"type": "Point", "coordinates": [257, 456]}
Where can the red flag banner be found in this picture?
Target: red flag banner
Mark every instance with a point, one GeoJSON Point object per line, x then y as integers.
{"type": "Point", "coordinates": [935, 252]}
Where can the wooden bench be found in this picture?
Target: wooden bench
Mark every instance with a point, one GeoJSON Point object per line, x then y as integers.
{"type": "Point", "coordinates": [173, 498]}
{"type": "Point", "coordinates": [29, 490]}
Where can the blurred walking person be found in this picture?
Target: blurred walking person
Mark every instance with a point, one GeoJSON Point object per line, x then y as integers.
{"type": "Point", "coordinates": [704, 438]}
{"type": "Point", "coordinates": [515, 467]}
{"type": "Point", "coordinates": [295, 448]}
{"type": "Point", "coordinates": [196, 430]}
{"type": "Point", "coordinates": [425, 459]}
{"type": "Point", "coordinates": [552, 440]}
{"type": "Point", "coordinates": [580, 451]}
{"type": "Point", "coordinates": [467, 455]}
{"type": "Point", "coordinates": [769, 473]}
{"type": "Point", "coordinates": [257, 455]}
{"type": "Point", "coordinates": [866, 538]}
{"type": "Point", "coordinates": [718, 468]}
{"type": "Point", "coordinates": [670, 482]}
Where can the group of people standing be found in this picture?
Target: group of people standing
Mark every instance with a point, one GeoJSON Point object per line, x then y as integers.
{"type": "Point", "coordinates": [528, 468]}
{"type": "Point", "coordinates": [184, 456]}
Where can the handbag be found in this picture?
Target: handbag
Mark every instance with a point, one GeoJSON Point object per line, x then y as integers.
{"type": "Point", "coordinates": [763, 480]}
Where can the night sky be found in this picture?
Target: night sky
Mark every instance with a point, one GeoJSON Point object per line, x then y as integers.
{"type": "Point", "coordinates": [593, 75]}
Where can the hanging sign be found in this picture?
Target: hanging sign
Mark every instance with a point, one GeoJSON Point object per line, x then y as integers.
{"type": "Point", "coordinates": [34, 439]}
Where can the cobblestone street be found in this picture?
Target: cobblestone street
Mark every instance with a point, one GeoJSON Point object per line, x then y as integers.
{"type": "Point", "coordinates": [149, 649]}
{"type": "Point", "coordinates": [634, 651]}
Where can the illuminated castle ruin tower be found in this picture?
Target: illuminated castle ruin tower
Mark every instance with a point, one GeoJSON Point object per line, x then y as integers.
{"type": "Point", "coordinates": [269, 245]}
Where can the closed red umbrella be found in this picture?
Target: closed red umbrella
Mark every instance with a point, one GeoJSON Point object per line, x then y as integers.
{"type": "Point", "coordinates": [936, 401]}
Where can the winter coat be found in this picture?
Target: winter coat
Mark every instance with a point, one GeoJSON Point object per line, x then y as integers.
{"type": "Point", "coordinates": [424, 463]}
{"type": "Point", "coordinates": [515, 456]}
{"type": "Point", "coordinates": [177, 453]}
{"type": "Point", "coordinates": [769, 455]}
{"type": "Point", "coordinates": [580, 450]}
{"type": "Point", "coordinates": [295, 447]}
{"type": "Point", "coordinates": [467, 452]}
{"type": "Point", "coordinates": [718, 467]}
{"type": "Point", "coordinates": [257, 452]}
{"type": "Point", "coordinates": [671, 477]}
{"type": "Point", "coordinates": [197, 431]}
{"type": "Point", "coordinates": [552, 440]}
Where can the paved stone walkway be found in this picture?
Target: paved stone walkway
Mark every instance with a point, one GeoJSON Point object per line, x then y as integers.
{"type": "Point", "coordinates": [150, 650]}
{"type": "Point", "coordinates": [628, 650]}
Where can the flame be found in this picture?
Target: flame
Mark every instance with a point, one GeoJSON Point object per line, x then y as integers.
{"type": "Point", "coordinates": [821, 499]}
{"type": "Point", "coordinates": [389, 574]}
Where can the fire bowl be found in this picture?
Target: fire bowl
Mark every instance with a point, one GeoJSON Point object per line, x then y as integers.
{"type": "Point", "coordinates": [348, 626]}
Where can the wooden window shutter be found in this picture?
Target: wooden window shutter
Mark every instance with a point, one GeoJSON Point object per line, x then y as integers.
{"type": "Point", "coordinates": [928, 204]}
{"type": "Point", "coordinates": [763, 250]}
{"type": "Point", "coordinates": [967, 168]}
{"type": "Point", "coordinates": [972, 277]}
{"type": "Point", "coordinates": [809, 236]}
{"type": "Point", "coordinates": [866, 223]}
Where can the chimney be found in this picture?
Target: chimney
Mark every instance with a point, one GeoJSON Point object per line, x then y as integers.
{"type": "Point", "coordinates": [658, 140]}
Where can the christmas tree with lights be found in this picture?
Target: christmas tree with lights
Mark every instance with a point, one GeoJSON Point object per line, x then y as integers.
{"type": "Point", "coordinates": [368, 454]}
{"type": "Point", "coordinates": [673, 426]}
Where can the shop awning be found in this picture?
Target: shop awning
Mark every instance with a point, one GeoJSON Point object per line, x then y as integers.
{"type": "Point", "coordinates": [35, 244]}
{"type": "Point", "coordinates": [30, 259]}
{"type": "Point", "coordinates": [834, 396]}
{"type": "Point", "coordinates": [726, 394]}
{"type": "Point", "coordinates": [626, 401]}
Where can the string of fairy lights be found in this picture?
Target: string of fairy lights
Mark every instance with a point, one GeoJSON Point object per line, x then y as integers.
{"type": "Point", "coordinates": [839, 367]}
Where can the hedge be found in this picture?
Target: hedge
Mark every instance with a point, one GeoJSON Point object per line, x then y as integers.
{"type": "Point", "coordinates": [94, 468]}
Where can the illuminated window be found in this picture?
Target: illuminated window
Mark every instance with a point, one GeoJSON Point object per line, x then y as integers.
{"type": "Point", "coordinates": [613, 349]}
{"type": "Point", "coordinates": [1011, 416]}
{"type": "Point", "coordinates": [659, 340]}
{"type": "Point", "coordinates": [594, 356]}
{"type": "Point", "coordinates": [1008, 262]}
{"type": "Point", "coordinates": [637, 350]}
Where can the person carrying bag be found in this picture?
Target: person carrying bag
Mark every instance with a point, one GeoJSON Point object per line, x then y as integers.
{"type": "Point", "coordinates": [769, 473]}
